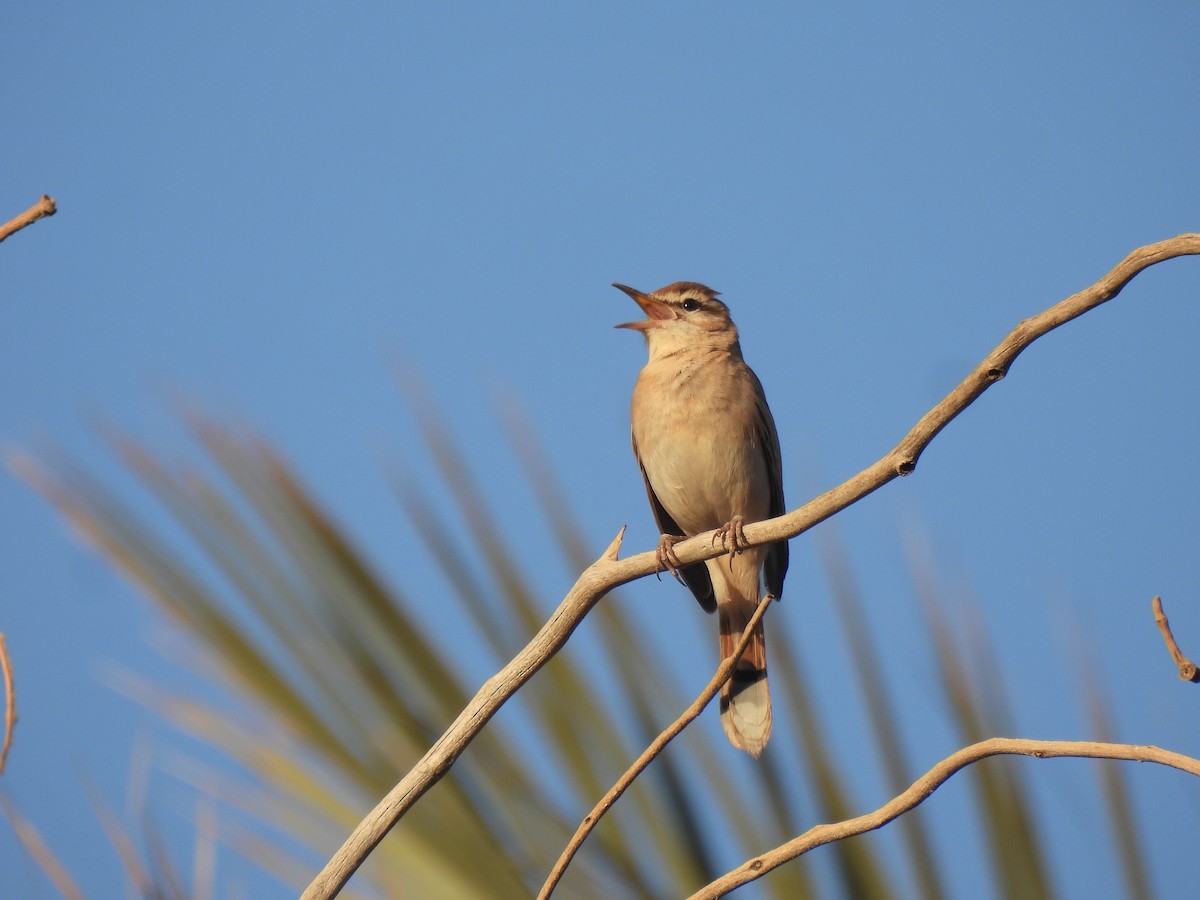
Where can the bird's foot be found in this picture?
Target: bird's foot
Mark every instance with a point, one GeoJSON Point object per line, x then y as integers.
{"type": "Point", "coordinates": [667, 560]}
{"type": "Point", "coordinates": [732, 537]}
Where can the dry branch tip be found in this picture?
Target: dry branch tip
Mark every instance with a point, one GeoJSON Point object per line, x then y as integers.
{"type": "Point", "coordinates": [40, 210]}
{"type": "Point", "coordinates": [615, 547]}
{"type": "Point", "coordinates": [1188, 670]}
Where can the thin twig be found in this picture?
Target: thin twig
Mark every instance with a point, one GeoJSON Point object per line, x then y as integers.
{"type": "Point", "coordinates": [609, 572]}
{"type": "Point", "coordinates": [1187, 668]}
{"type": "Point", "coordinates": [920, 789]}
{"type": "Point", "coordinates": [592, 819]}
{"type": "Point", "coordinates": [41, 209]}
{"type": "Point", "coordinates": [10, 702]}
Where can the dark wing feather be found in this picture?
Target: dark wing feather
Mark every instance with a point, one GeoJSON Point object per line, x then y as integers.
{"type": "Point", "coordinates": [776, 564]}
{"type": "Point", "coordinates": [694, 576]}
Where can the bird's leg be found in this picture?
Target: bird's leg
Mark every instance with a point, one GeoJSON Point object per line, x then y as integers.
{"type": "Point", "coordinates": [667, 560]}
{"type": "Point", "coordinates": [733, 538]}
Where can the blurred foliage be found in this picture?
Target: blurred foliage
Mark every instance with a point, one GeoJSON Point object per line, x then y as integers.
{"type": "Point", "coordinates": [340, 691]}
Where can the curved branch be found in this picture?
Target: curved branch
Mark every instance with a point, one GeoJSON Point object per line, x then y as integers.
{"type": "Point", "coordinates": [925, 785]}
{"type": "Point", "coordinates": [609, 572]}
{"type": "Point", "coordinates": [41, 209]}
{"type": "Point", "coordinates": [10, 702]}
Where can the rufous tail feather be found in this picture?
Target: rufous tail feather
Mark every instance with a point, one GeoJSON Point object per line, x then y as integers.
{"type": "Point", "coordinates": [745, 698]}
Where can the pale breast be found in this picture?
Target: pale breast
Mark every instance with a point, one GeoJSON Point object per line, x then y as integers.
{"type": "Point", "coordinates": [698, 440]}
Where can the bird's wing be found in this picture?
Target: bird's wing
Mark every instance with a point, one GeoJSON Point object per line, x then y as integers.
{"type": "Point", "coordinates": [694, 576]}
{"type": "Point", "coordinates": [776, 563]}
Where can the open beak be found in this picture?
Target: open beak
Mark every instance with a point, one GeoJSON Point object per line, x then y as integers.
{"type": "Point", "coordinates": [656, 311]}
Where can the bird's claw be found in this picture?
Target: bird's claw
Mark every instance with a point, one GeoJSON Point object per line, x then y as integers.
{"type": "Point", "coordinates": [732, 537]}
{"type": "Point", "coordinates": [667, 561]}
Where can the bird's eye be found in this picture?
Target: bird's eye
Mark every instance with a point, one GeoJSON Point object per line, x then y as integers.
{"type": "Point", "coordinates": [691, 304]}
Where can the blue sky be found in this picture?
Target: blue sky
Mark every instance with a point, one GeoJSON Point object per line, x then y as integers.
{"type": "Point", "coordinates": [274, 212]}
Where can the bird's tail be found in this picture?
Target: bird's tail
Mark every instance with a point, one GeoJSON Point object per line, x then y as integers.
{"type": "Point", "coordinates": [745, 698]}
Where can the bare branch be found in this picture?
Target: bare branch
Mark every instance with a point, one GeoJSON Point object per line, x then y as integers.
{"type": "Point", "coordinates": [926, 785]}
{"type": "Point", "coordinates": [1187, 668]}
{"type": "Point", "coordinates": [10, 702]}
{"type": "Point", "coordinates": [722, 675]}
{"type": "Point", "coordinates": [608, 572]}
{"type": "Point", "coordinates": [41, 209]}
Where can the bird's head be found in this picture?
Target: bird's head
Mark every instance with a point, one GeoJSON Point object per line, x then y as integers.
{"type": "Point", "coordinates": [682, 314]}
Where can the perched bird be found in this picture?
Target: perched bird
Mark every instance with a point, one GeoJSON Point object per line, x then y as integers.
{"type": "Point", "coordinates": [709, 454]}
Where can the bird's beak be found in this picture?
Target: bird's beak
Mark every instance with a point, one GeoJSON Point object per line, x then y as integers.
{"type": "Point", "coordinates": [656, 311]}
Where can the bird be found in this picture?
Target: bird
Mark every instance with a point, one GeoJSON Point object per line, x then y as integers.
{"type": "Point", "coordinates": [705, 441]}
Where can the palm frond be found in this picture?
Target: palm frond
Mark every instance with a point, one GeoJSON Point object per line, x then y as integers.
{"type": "Point", "coordinates": [339, 688]}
